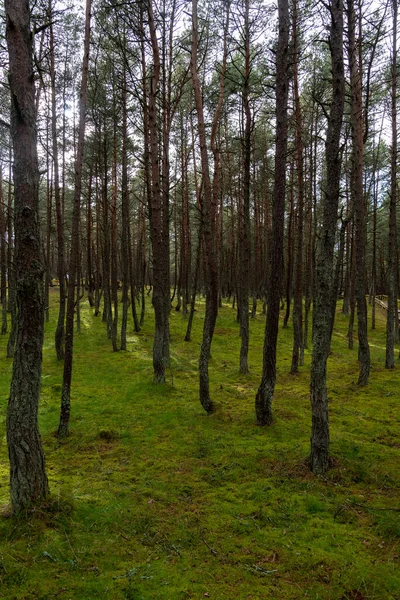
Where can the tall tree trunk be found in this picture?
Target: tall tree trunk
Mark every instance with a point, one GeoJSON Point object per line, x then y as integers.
{"type": "Point", "coordinates": [28, 480]}
{"type": "Point", "coordinates": [3, 258]}
{"type": "Point", "coordinates": [10, 267]}
{"type": "Point", "coordinates": [298, 283]}
{"type": "Point", "coordinates": [319, 458]}
{"type": "Point", "coordinates": [156, 214]}
{"type": "Point", "coordinates": [244, 237]}
{"type": "Point", "coordinates": [267, 386]}
{"type": "Point", "coordinates": [290, 244]}
{"type": "Point", "coordinates": [392, 312]}
{"type": "Point", "coordinates": [208, 213]}
{"type": "Point", "coordinates": [114, 245]}
{"type": "Point", "coordinates": [125, 219]}
{"type": "Point", "coordinates": [60, 331]}
{"type": "Point", "coordinates": [63, 428]}
{"type": "Point", "coordinates": [357, 193]}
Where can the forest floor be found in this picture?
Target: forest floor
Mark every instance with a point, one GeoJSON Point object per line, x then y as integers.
{"type": "Point", "coordinates": [153, 499]}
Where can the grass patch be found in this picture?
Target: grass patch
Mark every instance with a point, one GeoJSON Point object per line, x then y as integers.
{"type": "Point", "coordinates": [153, 499]}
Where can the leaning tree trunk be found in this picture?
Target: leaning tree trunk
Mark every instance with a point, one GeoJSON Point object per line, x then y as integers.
{"type": "Point", "coordinates": [208, 227]}
{"type": "Point", "coordinates": [267, 385]}
{"type": "Point", "coordinates": [28, 480]}
{"type": "Point", "coordinates": [319, 458]}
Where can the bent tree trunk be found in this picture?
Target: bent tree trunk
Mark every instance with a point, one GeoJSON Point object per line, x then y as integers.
{"type": "Point", "coordinates": [28, 480]}
{"type": "Point", "coordinates": [325, 259]}
{"type": "Point", "coordinates": [208, 206]}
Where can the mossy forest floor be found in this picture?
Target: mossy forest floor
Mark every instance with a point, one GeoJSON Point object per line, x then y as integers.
{"type": "Point", "coordinates": [153, 499]}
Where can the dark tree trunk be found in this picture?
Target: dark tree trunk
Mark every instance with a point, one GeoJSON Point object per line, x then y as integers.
{"type": "Point", "coordinates": [244, 237]}
{"type": "Point", "coordinates": [392, 312]}
{"type": "Point", "coordinates": [208, 213]}
{"type": "Point", "coordinates": [161, 295]}
{"type": "Point", "coordinates": [3, 259]}
{"type": "Point", "coordinates": [357, 194]}
{"type": "Point", "coordinates": [319, 458]}
{"type": "Point", "coordinates": [297, 354]}
{"type": "Point", "coordinates": [267, 386]}
{"type": "Point", "coordinates": [12, 307]}
{"type": "Point", "coordinates": [60, 330]}
{"type": "Point", "coordinates": [125, 240]}
{"type": "Point", "coordinates": [28, 480]}
{"type": "Point", "coordinates": [114, 247]}
{"type": "Point", "coordinates": [63, 428]}
{"type": "Point", "coordinates": [290, 244]}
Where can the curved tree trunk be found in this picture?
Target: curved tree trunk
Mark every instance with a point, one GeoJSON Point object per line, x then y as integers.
{"type": "Point", "coordinates": [319, 458]}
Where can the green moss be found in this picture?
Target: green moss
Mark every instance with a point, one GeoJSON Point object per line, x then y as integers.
{"type": "Point", "coordinates": [153, 499]}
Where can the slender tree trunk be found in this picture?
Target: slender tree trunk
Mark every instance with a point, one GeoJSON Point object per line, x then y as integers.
{"type": "Point", "coordinates": [12, 307]}
{"type": "Point", "coordinates": [290, 245]}
{"type": "Point", "coordinates": [3, 258]}
{"type": "Point", "coordinates": [392, 312]}
{"type": "Point", "coordinates": [157, 214]}
{"type": "Point", "coordinates": [267, 386]}
{"type": "Point", "coordinates": [63, 428]}
{"type": "Point", "coordinates": [125, 219]}
{"type": "Point", "coordinates": [357, 193]}
{"type": "Point", "coordinates": [319, 458]}
{"type": "Point", "coordinates": [244, 238]}
{"type": "Point", "coordinates": [59, 337]}
{"type": "Point", "coordinates": [208, 217]}
{"type": "Point", "coordinates": [298, 284]}
{"type": "Point", "coordinates": [28, 480]}
{"type": "Point", "coordinates": [114, 247]}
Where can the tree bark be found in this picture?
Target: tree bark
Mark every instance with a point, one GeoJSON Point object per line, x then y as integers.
{"type": "Point", "coordinates": [266, 389]}
{"type": "Point", "coordinates": [244, 237]}
{"type": "Point", "coordinates": [297, 354]}
{"type": "Point", "coordinates": [28, 480]}
{"type": "Point", "coordinates": [357, 193]}
{"type": "Point", "coordinates": [63, 428]}
{"type": "Point", "coordinates": [319, 458]}
{"type": "Point", "coordinates": [60, 329]}
{"type": "Point", "coordinates": [392, 311]}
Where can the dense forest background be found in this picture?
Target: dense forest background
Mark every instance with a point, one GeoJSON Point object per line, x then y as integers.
{"type": "Point", "coordinates": [225, 150]}
{"type": "Point", "coordinates": [198, 202]}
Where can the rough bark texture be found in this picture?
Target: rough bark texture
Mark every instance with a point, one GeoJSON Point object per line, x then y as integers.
{"type": "Point", "coordinates": [12, 306]}
{"type": "Point", "coordinates": [392, 312]}
{"type": "Point", "coordinates": [267, 386]}
{"type": "Point", "coordinates": [244, 239]}
{"type": "Point", "coordinates": [357, 194]}
{"type": "Point", "coordinates": [298, 279]}
{"type": "Point", "coordinates": [60, 329]}
{"type": "Point", "coordinates": [161, 291]}
{"type": "Point", "coordinates": [319, 458]}
{"type": "Point", "coordinates": [125, 222]}
{"type": "Point", "coordinates": [63, 428]}
{"type": "Point", "coordinates": [28, 481]}
{"type": "Point", "coordinates": [208, 225]}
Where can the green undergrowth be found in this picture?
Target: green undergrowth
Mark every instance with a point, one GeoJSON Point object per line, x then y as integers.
{"type": "Point", "coordinates": [153, 499]}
